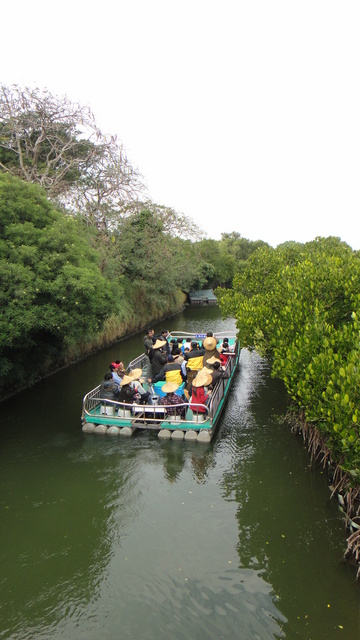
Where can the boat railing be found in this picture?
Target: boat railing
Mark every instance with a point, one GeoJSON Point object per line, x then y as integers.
{"type": "Point", "coordinates": [141, 362]}
{"type": "Point", "coordinates": [218, 393]}
{"type": "Point", "coordinates": [219, 335]}
{"type": "Point", "coordinates": [90, 401]}
{"type": "Point", "coordinates": [146, 413]}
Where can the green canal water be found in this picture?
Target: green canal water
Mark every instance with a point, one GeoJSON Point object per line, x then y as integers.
{"type": "Point", "coordinates": [117, 538]}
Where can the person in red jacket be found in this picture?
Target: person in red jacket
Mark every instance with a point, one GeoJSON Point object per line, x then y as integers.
{"type": "Point", "coordinates": [200, 395]}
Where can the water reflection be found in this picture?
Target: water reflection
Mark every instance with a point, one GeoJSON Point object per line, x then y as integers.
{"type": "Point", "coordinates": [141, 538]}
{"type": "Point", "coordinates": [289, 531]}
{"type": "Point", "coordinates": [173, 460]}
{"type": "Point", "coordinates": [52, 526]}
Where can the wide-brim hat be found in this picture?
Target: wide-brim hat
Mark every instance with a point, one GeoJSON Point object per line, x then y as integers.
{"type": "Point", "coordinates": [206, 371]}
{"type": "Point", "coordinates": [209, 343]}
{"type": "Point", "coordinates": [213, 359]}
{"type": "Point", "coordinates": [135, 374]}
{"type": "Point", "coordinates": [126, 380]}
{"type": "Point", "coordinates": [202, 380]}
{"type": "Point", "coordinates": [158, 344]}
{"type": "Point", "coordinates": [169, 387]}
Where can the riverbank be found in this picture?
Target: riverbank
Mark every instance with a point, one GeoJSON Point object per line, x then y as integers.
{"type": "Point", "coordinates": [114, 330]}
{"type": "Point", "coordinates": [341, 485]}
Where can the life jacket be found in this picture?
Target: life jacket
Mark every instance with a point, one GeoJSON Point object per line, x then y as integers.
{"type": "Point", "coordinates": [174, 374]}
{"type": "Point", "coordinates": [195, 363]}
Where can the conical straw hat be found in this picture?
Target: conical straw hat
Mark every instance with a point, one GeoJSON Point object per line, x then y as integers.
{"type": "Point", "coordinates": [135, 374]}
{"type": "Point", "coordinates": [169, 387]}
{"type": "Point", "coordinates": [202, 380]}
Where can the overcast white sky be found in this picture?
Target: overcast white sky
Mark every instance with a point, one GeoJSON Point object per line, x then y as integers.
{"type": "Point", "coordinates": [243, 115]}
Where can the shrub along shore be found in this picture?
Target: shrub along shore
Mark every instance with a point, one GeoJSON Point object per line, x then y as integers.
{"type": "Point", "coordinates": [299, 306]}
{"type": "Point", "coordinates": [68, 291]}
{"type": "Point", "coordinates": [114, 331]}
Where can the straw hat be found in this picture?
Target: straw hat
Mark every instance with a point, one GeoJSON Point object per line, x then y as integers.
{"type": "Point", "coordinates": [202, 380]}
{"type": "Point", "coordinates": [206, 370]}
{"type": "Point", "coordinates": [158, 344]}
{"type": "Point", "coordinates": [209, 343]}
{"type": "Point", "coordinates": [126, 380]}
{"type": "Point", "coordinates": [169, 387]}
{"type": "Point", "coordinates": [213, 359]}
{"type": "Point", "coordinates": [135, 374]}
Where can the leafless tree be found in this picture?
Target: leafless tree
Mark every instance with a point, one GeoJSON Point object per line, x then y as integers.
{"type": "Point", "coordinates": [56, 143]}
{"type": "Point", "coordinates": [106, 186]}
{"type": "Point", "coordinates": [46, 139]}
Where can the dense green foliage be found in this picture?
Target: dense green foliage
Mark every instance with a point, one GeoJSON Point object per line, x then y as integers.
{"type": "Point", "coordinates": [222, 260]}
{"type": "Point", "coordinates": [52, 294]}
{"type": "Point", "coordinates": [300, 305]}
{"type": "Point", "coordinates": [61, 281]}
{"type": "Point", "coordinates": [153, 264]}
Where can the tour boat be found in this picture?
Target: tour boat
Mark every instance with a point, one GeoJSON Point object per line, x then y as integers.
{"type": "Point", "coordinates": [103, 416]}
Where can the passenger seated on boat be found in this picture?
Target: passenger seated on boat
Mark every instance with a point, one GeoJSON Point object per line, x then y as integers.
{"type": "Point", "coordinates": [184, 362]}
{"type": "Point", "coordinates": [185, 345]}
{"type": "Point", "coordinates": [135, 375]}
{"type": "Point", "coordinates": [172, 371]}
{"type": "Point", "coordinates": [226, 346]}
{"type": "Point", "coordinates": [223, 359]}
{"type": "Point", "coordinates": [127, 393]}
{"type": "Point", "coordinates": [109, 390]}
{"type": "Point", "coordinates": [210, 349]}
{"type": "Point", "coordinates": [224, 355]}
{"type": "Point", "coordinates": [199, 396]}
{"type": "Point", "coordinates": [172, 398]}
{"type": "Point", "coordinates": [117, 372]}
{"type": "Point", "coordinates": [174, 344]}
{"type": "Point", "coordinates": [178, 355]}
{"type": "Point", "coordinates": [194, 360]}
{"type": "Point", "coordinates": [212, 361]}
{"type": "Point", "coordinates": [217, 373]}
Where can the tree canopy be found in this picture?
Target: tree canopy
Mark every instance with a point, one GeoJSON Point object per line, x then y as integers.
{"type": "Point", "coordinates": [300, 305]}
{"type": "Point", "coordinates": [52, 293]}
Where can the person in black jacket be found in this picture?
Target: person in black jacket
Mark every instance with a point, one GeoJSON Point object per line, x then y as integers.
{"type": "Point", "coordinates": [148, 349]}
{"type": "Point", "coordinates": [163, 336]}
{"type": "Point", "coordinates": [159, 358]}
{"type": "Point", "coordinates": [217, 372]}
{"type": "Point", "coordinates": [127, 393]}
